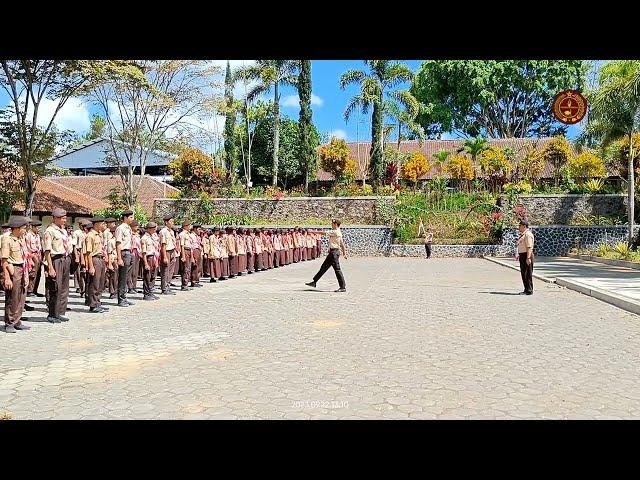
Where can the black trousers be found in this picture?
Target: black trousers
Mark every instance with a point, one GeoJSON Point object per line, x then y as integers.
{"type": "Point", "coordinates": [427, 247]}
{"type": "Point", "coordinates": [526, 271]}
{"type": "Point", "coordinates": [124, 273]}
{"type": "Point", "coordinates": [332, 260]}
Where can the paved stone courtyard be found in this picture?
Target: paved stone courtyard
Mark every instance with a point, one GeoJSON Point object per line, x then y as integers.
{"type": "Point", "coordinates": [444, 338]}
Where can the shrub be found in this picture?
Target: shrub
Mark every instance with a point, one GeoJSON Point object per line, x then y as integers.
{"type": "Point", "coordinates": [518, 188]}
{"type": "Point", "coordinates": [587, 165]}
{"type": "Point", "coordinates": [594, 185]}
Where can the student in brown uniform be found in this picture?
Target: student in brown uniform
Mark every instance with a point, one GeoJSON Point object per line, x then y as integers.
{"type": "Point", "coordinates": [232, 252]}
{"type": "Point", "coordinates": [136, 254]}
{"type": "Point", "coordinates": [525, 256]}
{"type": "Point", "coordinates": [107, 235]}
{"type": "Point", "coordinates": [196, 251]}
{"type": "Point", "coordinates": [248, 246]}
{"type": "Point", "coordinates": [178, 267]}
{"type": "Point", "coordinates": [336, 244]}
{"type": "Point", "coordinates": [268, 250]}
{"type": "Point", "coordinates": [204, 238]}
{"type": "Point", "coordinates": [215, 255]}
{"type": "Point", "coordinates": [34, 245]}
{"type": "Point", "coordinates": [150, 252]}
{"type": "Point", "coordinates": [57, 250]}
{"type": "Point", "coordinates": [123, 236]}
{"type": "Point", "coordinates": [78, 265]}
{"type": "Point", "coordinates": [94, 250]}
{"type": "Point", "coordinates": [186, 256]}
{"type": "Point", "coordinates": [13, 252]}
{"type": "Point", "coordinates": [167, 255]}
{"type": "Point", "coordinates": [224, 255]}
{"type": "Point", "coordinates": [241, 250]}
{"type": "Point", "coordinates": [257, 250]}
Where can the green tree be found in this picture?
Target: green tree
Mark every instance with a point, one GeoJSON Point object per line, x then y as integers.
{"type": "Point", "coordinates": [290, 169]}
{"type": "Point", "coordinates": [271, 74]}
{"type": "Point", "coordinates": [441, 158]}
{"type": "Point", "coordinates": [308, 155]}
{"type": "Point", "coordinates": [29, 82]}
{"type": "Point", "coordinates": [615, 114]}
{"type": "Point", "coordinates": [10, 179]}
{"type": "Point", "coordinates": [498, 99]}
{"type": "Point", "coordinates": [229, 125]}
{"type": "Point", "coordinates": [382, 75]}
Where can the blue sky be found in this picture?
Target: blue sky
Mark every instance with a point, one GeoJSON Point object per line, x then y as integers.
{"type": "Point", "coordinates": [328, 103]}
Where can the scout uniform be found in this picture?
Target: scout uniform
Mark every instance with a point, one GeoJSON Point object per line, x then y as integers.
{"type": "Point", "coordinates": [106, 237]}
{"type": "Point", "coordinates": [266, 250]}
{"type": "Point", "coordinates": [34, 245]}
{"type": "Point", "coordinates": [224, 255]}
{"type": "Point", "coordinates": [77, 240]}
{"type": "Point", "coordinates": [150, 252]}
{"type": "Point", "coordinates": [123, 236]}
{"type": "Point", "coordinates": [526, 242]}
{"type": "Point", "coordinates": [95, 260]}
{"type": "Point", "coordinates": [167, 263]}
{"type": "Point", "coordinates": [196, 251]}
{"type": "Point", "coordinates": [241, 245]}
{"type": "Point", "coordinates": [232, 252]}
{"type": "Point", "coordinates": [136, 255]}
{"type": "Point", "coordinates": [206, 271]}
{"type": "Point", "coordinates": [57, 244]}
{"type": "Point", "coordinates": [215, 255]}
{"type": "Point", "coordinates": [112, 273]}
{"type": "Point", "coordinates": [249, 247]}
{"type": "Point", "coordinates": [333, 258]}
{"type": "Point", "coordinates": [187, 254]}
{"type": "Point", "coordinates": [14, 254]}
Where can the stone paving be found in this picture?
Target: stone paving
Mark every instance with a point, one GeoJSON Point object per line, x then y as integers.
{"type": "Point", "coordinates": [443, 338]}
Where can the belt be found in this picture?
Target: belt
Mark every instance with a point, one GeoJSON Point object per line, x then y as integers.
{"type": "Point", "coordinates": [125, 250]}
{"type": "Point", "coordinates": [18, 264]}
{"type": "Point", "coordinates": [56, 257]}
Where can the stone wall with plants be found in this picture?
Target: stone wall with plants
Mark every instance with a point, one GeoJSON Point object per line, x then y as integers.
{"type": "Point", "coordinates": [569, 209]}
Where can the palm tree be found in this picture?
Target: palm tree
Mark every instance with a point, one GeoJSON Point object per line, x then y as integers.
{"type": "Point", "coordinates": [271, 74]}
{"type": "Point", "coordinates": [441, 158]}
{"type": "Point", "coordinates": [615, 113]}
{"type": "Point", "coordinates": [382, 75]}
{"type": "Point", "coordinates": [474, 147]}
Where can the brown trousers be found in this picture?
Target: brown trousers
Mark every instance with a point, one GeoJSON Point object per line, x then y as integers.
{"type": "Point", "coordinates": [206, 267]}
{"type": "Point", "coordinates": [196, 268]}
{"type": "Point", "coordinates": [166, 271]}
{"type": "Point", "coordinates": [276, 258]}
{"type": "Point", "coordinates": [242, 262]}
{"type": "Point", "coordinates": [112, 277]}
{"type": "Point", "coordinates": [149, 277]}
{"type": "Point", "coordinates": [58, 287]}
{"type": "Point", "coordinates": [283, 257]}
{"type": "Point", "coordinates": [296, 254]}
{"type": "Point", "coordinates": [225, 266]}
{"type": "Point", "coordinates": [14, 299]}
{"type": "Point", "coordinates": [233, 265]}
{"type": "Point", "coordinates": [265, 260]}
{"type": "Point", "coordinates": [34, 276]}
{"type": "Point", "coordinates": [186, 269]}
{"type": "Point", "coordinates": [94, 285]}
{"type": "Point", "coordinates": [135, 271]}
{"type": "Point", "coordinates": [216, 268]}
{"type": "Point", "coordinates": [258, 261]}
{"type": "Point", "coordinates": [250, 261]}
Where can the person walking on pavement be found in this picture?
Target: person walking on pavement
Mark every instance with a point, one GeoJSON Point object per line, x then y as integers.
{"type": "Point", "coordinates": [123, 236]}
{"type": "Point", "coordinates": [57, 250]}
{"type": "Point", "coordinates": [428, 239]}
{"type": "Point", "coordinates": [14, 255]}
{"type": "Point", "coordinates": [525, 255]}
{"type": "Point", "coordinates": [336, 245]}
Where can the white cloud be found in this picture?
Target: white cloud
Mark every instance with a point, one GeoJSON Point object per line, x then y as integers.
{"type": "Point", "coordinates": [294, 101]}
{"type": "Point", "coordinates": [74, 115]}
{"type": "Point", "coordinates": [338, 133]}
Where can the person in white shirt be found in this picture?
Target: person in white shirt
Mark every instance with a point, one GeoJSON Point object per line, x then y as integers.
{"type": "Point", "coordinates": [336, 244]}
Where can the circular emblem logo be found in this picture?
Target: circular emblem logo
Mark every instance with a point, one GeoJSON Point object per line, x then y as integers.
{"type": "Point", "coordinates": [569, 106]}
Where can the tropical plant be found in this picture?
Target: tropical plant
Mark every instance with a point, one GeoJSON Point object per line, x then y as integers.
{"type": "Point", "coordinates": [557, 152]}
{"type": "Point", "coordinates": [415, 167]}
{"type": "Point", "coordinates": [586, 165]}
{"type": "Point", "coordinates": [594, 185]}
{"type": "Point", "coordinates": [460, 168]}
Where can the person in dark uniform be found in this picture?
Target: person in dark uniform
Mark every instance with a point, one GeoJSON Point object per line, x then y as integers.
{"type": "Point", "coordinates": [336, 244]}
{"type": "Point", "coordinates": [15, 277]}
{"type": "Point", "coordinates": [123, 235]}
{"type": "Point", "coordinates": [57, 249]}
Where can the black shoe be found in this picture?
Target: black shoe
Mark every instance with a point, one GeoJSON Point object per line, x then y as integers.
{"type": "Point", "coordinates": [97, 310]}
{"type": "Point", "coordinates": [77, 290]}
{"type": "Point", "coordinates": [113, 295]}
{"type": "Point", "coordinates": [311, 284]}
{"type": "Point", "coordinates": [53, 320]}
{"type": "Point", "coordinates": [22, 327]}
{"type": "Point", "coordinates": [522, 293]}
{"type": "Point", "coordinates": [148, 297]}
{"type": "Point", "coordinates": [173, 285]}
{"type": "Point", "coordinates": [29, 308]}
{"type": "Point", "coordinates": [31, 294]}
{"type": "Point", "coordinates": [341, 290]}
{"type": "Point", "coordinates": [9, 329]}
{"type": "Point", "coordinates": [212, 280]}
{"type": "Point", "coordinates": [250, 273]}
{"type": "Point", "coordinates": [62, 319]}
{"type": "Point", "coordinates": [528, 293]}
{"type": "Point", "coordinates": [40, 294]}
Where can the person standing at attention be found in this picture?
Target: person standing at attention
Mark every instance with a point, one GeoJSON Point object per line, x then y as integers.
{"type": "Point", "coordinates": [428, 239]}
{"type": "Point", "coordinates": [525, 254]}
{"type": "Point", "coordinates": [336, 244]}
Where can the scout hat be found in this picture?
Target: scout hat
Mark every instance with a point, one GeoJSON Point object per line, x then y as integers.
{"type": "Point", "coordinates": [17, 222]}
{"type": "Point", "coordinates": [58, 212]}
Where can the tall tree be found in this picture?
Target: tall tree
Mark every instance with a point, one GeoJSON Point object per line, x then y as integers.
{"type": "Point", "coordinates": [229, 125]}
{"type": "Point", "coordinates": [615, 113]}
{"type": "Point", "coordinates": [498, 99]}
{"type": "Point", "coordinates": [29, 83]}
{"type": "Point", "coordinates": [142, 117]}
{"type": "Point", "coordinates": [271, 75]}
{"type": "Point", "coordinates": [382, 75]}
{"type": "Point", "coordinates": [307, 147]}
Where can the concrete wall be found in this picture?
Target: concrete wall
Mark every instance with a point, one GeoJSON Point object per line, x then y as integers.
{"type": "Point", "coordinates": [564, 209]}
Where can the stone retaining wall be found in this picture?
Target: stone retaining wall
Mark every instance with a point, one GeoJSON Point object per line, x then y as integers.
{"type": "Point", "coordinates": [361, 210]}
{"type": "Point", "coordinates": [565, 209]}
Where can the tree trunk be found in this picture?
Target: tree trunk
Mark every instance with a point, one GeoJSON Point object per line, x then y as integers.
{"type": "Point", "coordinates": [29, 193]}
{"type": "Point", "coordinates": [375, 163]}
{"type": "Point", "coordinates": [631, 190]}
{"type": "Point", "coordinates": [276, 135]}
